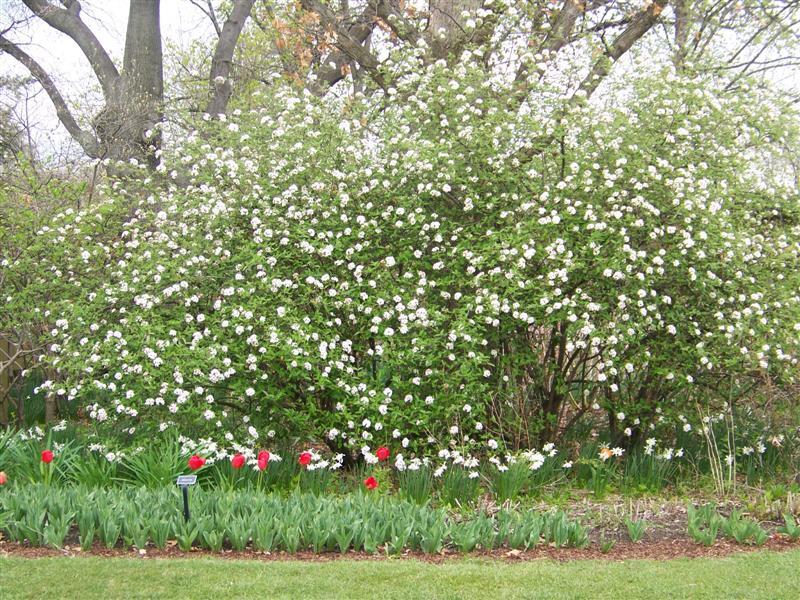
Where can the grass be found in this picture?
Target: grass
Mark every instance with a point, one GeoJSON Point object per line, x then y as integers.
{"type": "Point", "coordinates": [757, 575]}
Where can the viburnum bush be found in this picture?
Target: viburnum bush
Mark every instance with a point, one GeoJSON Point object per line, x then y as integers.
{"type": "Point", "coordinates": [442, 264]}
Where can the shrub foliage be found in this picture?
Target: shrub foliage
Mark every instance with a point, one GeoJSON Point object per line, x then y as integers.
{"type": "Point", "coordinates": [438, 263]}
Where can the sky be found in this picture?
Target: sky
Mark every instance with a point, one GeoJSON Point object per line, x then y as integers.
{"type": "Point", "coordinates": [181, 23]}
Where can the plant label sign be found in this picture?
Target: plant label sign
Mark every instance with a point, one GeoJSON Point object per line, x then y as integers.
{"type": "Point", "coordinates": [184, 480]}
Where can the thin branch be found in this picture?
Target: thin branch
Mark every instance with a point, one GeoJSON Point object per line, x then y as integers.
{"type": "Point", "coordinates": [208, 10]}
{"type": "Point", "coordinates": [391, 15]}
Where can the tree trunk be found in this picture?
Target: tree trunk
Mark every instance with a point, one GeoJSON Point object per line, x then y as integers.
{"type": "Point", "coordinates": [681, 32]}
{"type": "Point", "coordinates": [136, 105]}
{"type": "Point", "coordinates": [50, 408]}
{"type": "Point", "coordinates": [221, 63]}
{"type": "Point", "coordinates": [446, 32]}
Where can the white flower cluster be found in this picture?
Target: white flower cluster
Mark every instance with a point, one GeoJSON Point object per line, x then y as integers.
{"type": "Point", "coordinates": [406, 276]}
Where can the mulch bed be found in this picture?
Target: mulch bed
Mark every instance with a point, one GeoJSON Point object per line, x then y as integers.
{"type": "Point", "coordinates": [623, 550]}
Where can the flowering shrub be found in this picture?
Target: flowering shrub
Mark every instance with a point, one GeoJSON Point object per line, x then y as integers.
{"type": "Point", "coordinates": [434, 268]}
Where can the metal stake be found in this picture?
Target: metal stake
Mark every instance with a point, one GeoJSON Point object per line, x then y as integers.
{"type": "Point", "coordinates": [185, 490]}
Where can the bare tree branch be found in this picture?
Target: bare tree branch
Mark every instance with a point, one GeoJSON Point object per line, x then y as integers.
{"type": "Point", "coordinates": [446, 33]}
{"type": "Point", "coordinates": [559, 34]}
{"type": "Point", "coordinates": [392, 15]}
{"type": "Point", "coordinates": [770, 21]}
{"type": "Point", "coordinates": [208, 10]}
{"type": "Point", "coordinates": [639, 26]}
{"type": "Point", "coordinates": [334, 69]}
{"type": "Point", "coordinates": [681, 31]}
{"type": "Point", "coordinates": [346, 41]}
{"type": "Point", "coordinates": [67, 20]}
{"type": "Point", "coordinates": [86, 139]}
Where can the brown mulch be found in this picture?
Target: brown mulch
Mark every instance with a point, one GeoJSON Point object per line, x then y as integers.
{"type": "Point", "coordinates": [664, 549]}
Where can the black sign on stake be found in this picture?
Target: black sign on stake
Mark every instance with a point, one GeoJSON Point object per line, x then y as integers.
{"type": "Point", "coordinates": [184, 481]}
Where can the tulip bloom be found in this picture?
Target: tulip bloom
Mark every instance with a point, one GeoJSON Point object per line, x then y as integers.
{"type": "Point", "coordinates": [195, 462]}
{"type": "Point", "coordinates": [263, 460]}
{"type": "Point", "coordinates": [3, 478]}
{"type": "Point", "coordinates": [237, 462]}
{"type": "Point", "coordinates": [305, 458]}
{"type": "Point", "coordinates": [47, 456]}
{"type": "Point", "coordinates": [370, 483]}
{"type": "Point", "coordinates": [382, 453]}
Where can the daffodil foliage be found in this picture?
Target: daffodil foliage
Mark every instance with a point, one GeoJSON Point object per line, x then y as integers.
{"type": "Point", "coordinates": [441, 263]}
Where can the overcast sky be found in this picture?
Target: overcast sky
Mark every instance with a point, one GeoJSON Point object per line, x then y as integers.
{"type": "Point", "coordinates": [60, 56]}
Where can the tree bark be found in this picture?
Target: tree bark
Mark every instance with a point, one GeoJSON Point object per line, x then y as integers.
{"type": "Point", "coordinates": [137, 106]}
{"type": "Point", "coordinates": [50, 408]}
{"type": "Point", "coordinates": [349, 44]}
{"type": "Point", "coordinates": [219, 77]}
{"type": "Point", "coordinates": [334, 68]}
{"type": "Point", "coordinates": [133, 98]}
{"type": "Point", "coordinates": [446, 33]}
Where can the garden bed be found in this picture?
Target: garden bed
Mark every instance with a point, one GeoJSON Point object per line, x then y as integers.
{"type": "Point", "coordinates": [624, 550]}
{"type": "Point", "coordinates": [36, 521]}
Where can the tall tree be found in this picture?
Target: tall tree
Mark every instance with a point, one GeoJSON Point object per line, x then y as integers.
{"type": "Point", "coordinates": [320, 43]}
{"type": "Point", "coordinates": [746, 36]}
{"type": "Point", "coordinates": [133, 98]}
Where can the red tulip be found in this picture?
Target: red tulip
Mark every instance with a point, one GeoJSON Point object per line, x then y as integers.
{"type": "Point", "coordinates": [237, 462]}
{"type": "Point", "coordinates": [305, 458]}
{"type": "Point", "coordinates": [47, 456]}
{"type": "Point", "coordinates": [195, 462]}
{"type": "Point", "coordinates": [370, 483]}
{"type": "Point", "coordinates": [263, 460]}
{"type": "Point", "coordinates": [382, 453]}
{"type": "Point", "coordinates": [3, 478]}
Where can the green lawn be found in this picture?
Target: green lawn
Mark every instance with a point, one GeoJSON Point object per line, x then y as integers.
{"type": "Point", "coordinates": [759, 575]}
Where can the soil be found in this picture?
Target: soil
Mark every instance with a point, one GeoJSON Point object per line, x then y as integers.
{"type": "Point", "coordinates": [663, 549]}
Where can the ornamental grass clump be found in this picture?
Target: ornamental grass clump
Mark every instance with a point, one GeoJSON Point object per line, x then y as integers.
{"type": "Point", "coordinates": [459, 486]}
{"type": "Point", "coordinates": [509, 480]}
{"type": "Point", "coordinates": [415, 482]}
